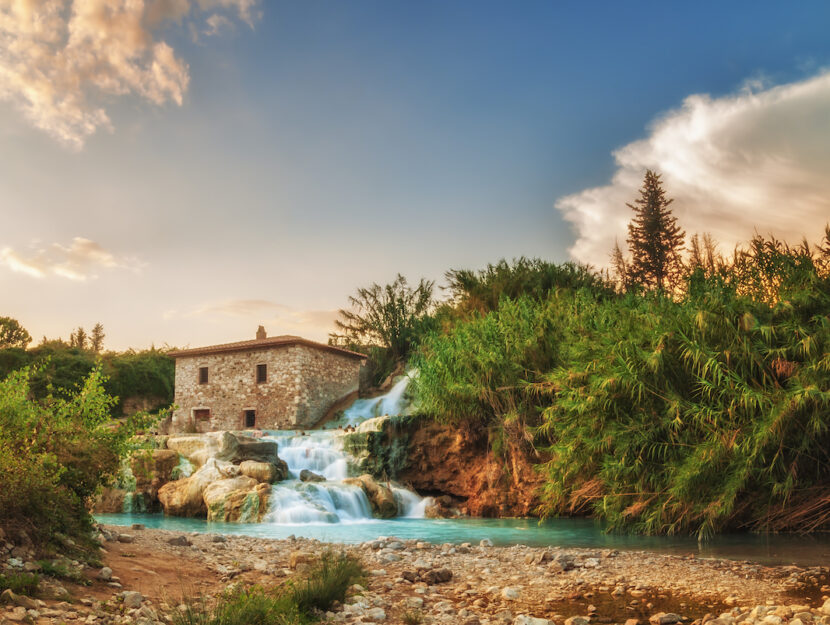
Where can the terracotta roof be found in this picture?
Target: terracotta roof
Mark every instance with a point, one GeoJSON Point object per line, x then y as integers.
{"type": "Point", "coordinates": [276, 341]}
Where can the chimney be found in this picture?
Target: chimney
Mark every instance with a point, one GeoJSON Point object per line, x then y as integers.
{"type": "Point", "coordinates": [260, 333]}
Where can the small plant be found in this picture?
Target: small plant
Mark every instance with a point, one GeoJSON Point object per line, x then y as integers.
{"type": "Point", "coordinates": [412, 617]}
{"type": "Point", "coordinates": [327, 581]}
{"type": "Point", "coordinates": [20, 583]}
{"type": "Point", "coordinates": [61, 571]}
{"type": "Point", "coordinates": [240, 606]}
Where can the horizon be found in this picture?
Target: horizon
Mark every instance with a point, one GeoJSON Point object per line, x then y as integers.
{"type": "Point", "coordinates": [255, 163]}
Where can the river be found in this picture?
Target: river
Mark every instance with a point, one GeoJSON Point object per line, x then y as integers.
{"type": "Point", "coordinates": [333, 511]}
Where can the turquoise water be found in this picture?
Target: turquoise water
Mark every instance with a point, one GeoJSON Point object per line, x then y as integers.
{"type": "Point", "coordinates": [767, 549]}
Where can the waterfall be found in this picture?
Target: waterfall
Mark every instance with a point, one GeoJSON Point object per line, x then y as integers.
{"type": "Point", "coordinates": [321, 452]}
{"type": "Point", "coordinates": [392, 403]}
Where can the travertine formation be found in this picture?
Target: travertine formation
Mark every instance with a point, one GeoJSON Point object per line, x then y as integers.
{"type": "Point", "coordinates": [285, 382]}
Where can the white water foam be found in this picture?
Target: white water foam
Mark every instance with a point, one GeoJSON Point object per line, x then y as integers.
{"type": "Point", "coordinates": [321, 452]}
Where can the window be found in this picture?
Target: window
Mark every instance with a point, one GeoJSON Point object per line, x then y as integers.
{"type": "Point", "coordinates": [203, 375]}
{"type": "Point", "coordinates": [261, 374]}
{"type": "Point", "coordinates": [201, 414]}
{"type": "Point", "coordinates": [250, 418]}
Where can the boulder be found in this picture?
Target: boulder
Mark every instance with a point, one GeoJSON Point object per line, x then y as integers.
{"type": "Point", "coordinates": [381, 497]}
{"type": "Point", "coordinates": [265, 472]}
{"type": "Point", "coordinates": [184, 497]}
{"type": "Point", "coordinates": [234, 448]}
{"type": "Point", "coordinates": [188, 445]}
{"type": "Point", "coordinates": [240, 499]}
{"type": "Point", "coordinates": [310, 476]}
{"type": "Point", "coordinates": [250, 448]}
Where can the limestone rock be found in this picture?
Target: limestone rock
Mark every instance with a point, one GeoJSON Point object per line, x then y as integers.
{"type": "Point", "coordinates": [510, 593]}
{"type": "Point", "coordinates": [522, 619]}
{"type": "Point", "coordinates": [310, 476]}
{"type": "Point", "coordinates": [225, 446]}
{"type": "Point", "coordinates": [265, 472]}
{"type": "Point", "coordinates": [240, 499]}
{"type": "Point", "coordinates": [132, 599]}
{"type": "Point", "coordinates": [382, 498]}
{"type": "Point", "coordinates": [184, 497]}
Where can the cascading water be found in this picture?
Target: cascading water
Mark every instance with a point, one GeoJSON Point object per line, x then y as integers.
{"type": "Point", "coordinates": [321, 451]}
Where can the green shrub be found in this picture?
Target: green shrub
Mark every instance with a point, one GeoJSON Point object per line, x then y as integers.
{"type": "Point", "coordinates": [476, 370]}
{"type": "Point", "coordinates": [54, 454]}
{"type": "Point", "coordinates": [240, 606]}
{"type": "Point", "coordinates": [61, 571]}
{"type": "Point", "coordinates": [327, 581]}
{"type": "Point", "coordinates": [20, 583]}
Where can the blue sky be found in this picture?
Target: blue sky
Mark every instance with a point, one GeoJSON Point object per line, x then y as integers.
{"type": "Point", "coordinates": [323, 145]}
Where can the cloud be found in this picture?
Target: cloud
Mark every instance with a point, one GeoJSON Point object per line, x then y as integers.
{"type": "Point", "coordinates": [59, 57]}
{"type": "Point", "coordinates": [78, 262]}
{"type": "Point", "coordinates": [755, 160]}
{"type": "Point", "coordinates": [245, 314]}
{"type": "Point", "coordinates": [216, 23]}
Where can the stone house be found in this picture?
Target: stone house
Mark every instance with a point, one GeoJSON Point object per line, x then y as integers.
{"type": "Point", "coordinates": [283, 382]}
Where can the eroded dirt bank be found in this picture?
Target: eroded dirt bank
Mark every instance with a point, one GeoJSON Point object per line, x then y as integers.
{"type": "Point", "coordinates": [445, 460]}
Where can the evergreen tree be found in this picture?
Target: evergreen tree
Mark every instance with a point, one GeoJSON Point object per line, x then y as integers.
{"type": "Point", "coordinates": [96, 339]}
{"type": "Point", "coordinates": [654, 238]}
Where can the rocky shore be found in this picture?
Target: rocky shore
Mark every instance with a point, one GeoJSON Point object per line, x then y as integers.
{"type": "Point", "coordinates": [147, 573]}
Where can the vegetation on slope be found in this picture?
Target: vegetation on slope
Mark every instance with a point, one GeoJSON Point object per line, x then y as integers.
{"type": "Point", "coordinates": [695, 406]}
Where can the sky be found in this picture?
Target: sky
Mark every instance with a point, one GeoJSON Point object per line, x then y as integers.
{"type": "Point", "coordinates": [185, 170]}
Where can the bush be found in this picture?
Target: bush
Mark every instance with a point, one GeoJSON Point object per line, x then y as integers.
{"type": "Point", "coordinates": [240, 606]}
{"type": "Point", "coordinates": [294, 603]}
{"type": "Point", "coordinates": [55, 453]}
{"type": "Point", "coordinates": [327, 581]}
{"type": "Point", "coordinates": [20, 583]}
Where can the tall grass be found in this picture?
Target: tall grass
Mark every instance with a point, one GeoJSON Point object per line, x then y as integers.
{"type": "Point", "coordinates": [328, 580]}
{"type": "Point", "coordinates": [697, 412]}
{"type": "Point", "coordinates": [294, 603]}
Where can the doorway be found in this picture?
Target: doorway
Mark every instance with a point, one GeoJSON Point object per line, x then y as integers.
{"type": "Point", "coordinates": [250, 418]}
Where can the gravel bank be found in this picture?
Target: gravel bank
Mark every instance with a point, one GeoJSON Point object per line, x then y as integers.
{"type": "Point", "coordinates": [148, 571]}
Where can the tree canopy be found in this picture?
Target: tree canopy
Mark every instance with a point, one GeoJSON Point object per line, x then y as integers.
{"type": "Point", "coordinates": [12, 334]}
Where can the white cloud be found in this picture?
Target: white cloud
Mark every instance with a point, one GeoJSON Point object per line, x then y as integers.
{"type": "Point", "coordinates": [58, 57]}
{"type": "Point", "coordinates": [216, 23]}
{"type": "Point", "coordinates": [78, 261]}
{"type": "Point", "coordinates": [756, 160]}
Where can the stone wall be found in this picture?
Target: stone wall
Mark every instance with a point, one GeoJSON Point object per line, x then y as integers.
{"type": "Point", "coordinates": [302, 382]}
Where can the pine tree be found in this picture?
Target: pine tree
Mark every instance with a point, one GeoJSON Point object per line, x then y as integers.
{"type": "Point", "coordinates": [96, 338]}
{"type": "Point", "coordinates": [654, 238]}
